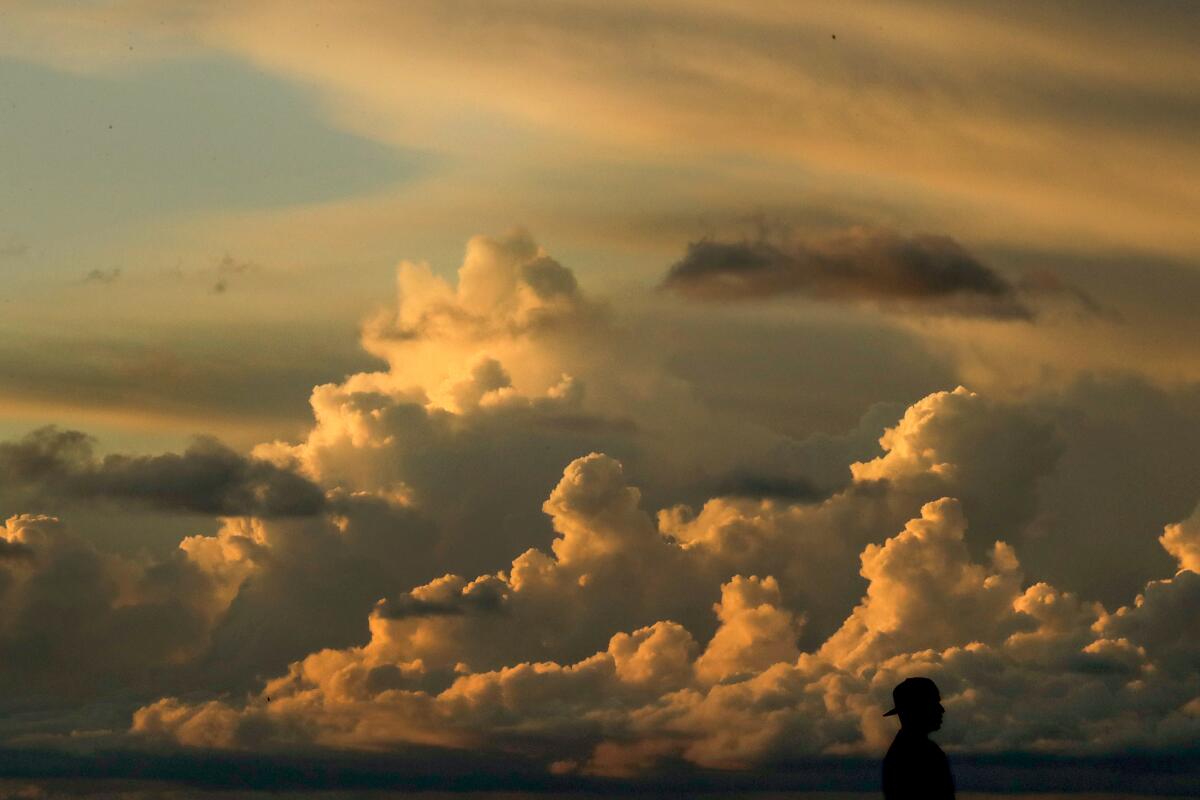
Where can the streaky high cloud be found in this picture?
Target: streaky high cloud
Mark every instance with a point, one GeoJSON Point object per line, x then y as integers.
{"type": "Point", "coordinates": [924, 272]}
{"type": "Point", "coordinates": [1047, 127]}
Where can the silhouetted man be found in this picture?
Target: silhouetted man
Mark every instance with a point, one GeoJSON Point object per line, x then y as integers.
{"type": "Point", "coordinates": [915, 768]}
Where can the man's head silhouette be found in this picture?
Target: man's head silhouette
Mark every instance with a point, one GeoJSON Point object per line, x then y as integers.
{"type": "Point", "coordinates": [915, 768]}
{"type": "Point", "coordinates": [918, 704]}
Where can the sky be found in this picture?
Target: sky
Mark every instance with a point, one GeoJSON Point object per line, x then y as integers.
{"type": "Point", "coordinates": [594, 395]}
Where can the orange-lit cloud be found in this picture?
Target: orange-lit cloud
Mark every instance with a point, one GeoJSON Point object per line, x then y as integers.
{"type": "Point", "coordinates": [748, 694]}
{"type": "Point", "coordinates": [390, 576]}
{"type": "Point", "coordinates": [859, 342]}
{"type": "Point", "coordinates": [1041, 125]}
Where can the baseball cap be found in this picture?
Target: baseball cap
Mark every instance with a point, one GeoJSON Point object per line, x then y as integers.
{"type": "Point", "coordinates": [913, 693]}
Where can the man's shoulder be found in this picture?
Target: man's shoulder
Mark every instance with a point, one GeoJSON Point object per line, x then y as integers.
{"type": "Point", "coordinates": [913, 746]}
{"type": "Point", "coordinates": [915, 766]}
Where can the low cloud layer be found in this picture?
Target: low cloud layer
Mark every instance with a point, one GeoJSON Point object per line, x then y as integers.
{"type": "Point", "coordinates": [923, 272]}
{"type": "Point", "coordinates": [525, 537]}
{"type": "Point", "coordinates": [444, 666]}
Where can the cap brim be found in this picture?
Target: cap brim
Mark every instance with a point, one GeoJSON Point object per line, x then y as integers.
{"type": "Point", "coordinates": [891, 713]}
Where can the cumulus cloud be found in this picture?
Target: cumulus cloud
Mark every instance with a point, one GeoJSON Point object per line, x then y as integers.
{"type": "Point", "coordinates": [755, 632]}
{"type": "Point", "coordinates": [287, 586]}
{"type": "Point", "coordinates": [407, 474]}
{"type": "Point", "coordinates": [446, 668]}
{"type": "Point", "coordinates": [78, 622]}
{"type": "Point", "coordinates": [924, 592]}
{"type": "Point", "coordinates": [289, 568]}
{"type": "Point", "coordinates": [493, 383]}
{"type": "Point", "coordinates": [1182, 540]}
{"type": "Point", "coordinates": [633, 640]}
{"type": "Point", "coordinates": [516, 360]}
{"type": "Point", "coordinates": [75, 621]}
{"type": "Point", "coordinates": [922, 272]}
{"type": "Point", "coordinates": [391, 581]}
{"type": "Point", "coordinates": [991, 456]}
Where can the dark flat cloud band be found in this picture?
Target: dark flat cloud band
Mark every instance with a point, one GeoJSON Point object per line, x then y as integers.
{"type": "Point", "coordinates": [923, 272]}
{"type": "Point", "coordinates": [207, 478]}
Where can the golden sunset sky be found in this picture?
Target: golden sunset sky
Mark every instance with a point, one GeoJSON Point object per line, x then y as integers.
{"type": "Point", "coordinates": [544, 394]}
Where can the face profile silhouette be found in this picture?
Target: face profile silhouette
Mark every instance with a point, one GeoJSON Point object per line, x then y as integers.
{"type": "Point", "coordinates": [918, 704]}
{"type": "Point", "coordinates": [915, 768]}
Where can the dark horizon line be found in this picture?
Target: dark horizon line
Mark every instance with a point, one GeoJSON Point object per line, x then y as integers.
{"type": "Point", "coordinates": [423, 768]}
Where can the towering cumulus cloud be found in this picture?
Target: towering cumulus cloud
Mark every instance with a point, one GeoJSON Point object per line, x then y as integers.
{"type": "Point", "coordinates": [479, 548]}
{"type": "Point", "coordinates": [449, 661]}
{"type": "Point", "coordinates": [747, 631]}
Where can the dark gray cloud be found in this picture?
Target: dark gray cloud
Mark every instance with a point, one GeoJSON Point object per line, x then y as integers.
{"type": "Point", "coordinates": [80, 623]}
{"type": "Point", "coordinates": [1127, 465]}
{"type": "Point", "coordinates": [777, 487]}
{"type": "Point", "coordinates": [104, 276]}
{"type": "Point", "coordinates": [207, 478]}
{"type": "Point", "coordinates": [226, 268]}
{"type": "Point", "coordinates": [314, 586]}
{"type": "Point", "coordinates": [11, 551]}
{"type": "Point", "coordinates": [485, 595]}
{"type": "Point", "coordinates": [1044, 285]}
{"type": "Point", "coordinates": [218, 612]}
{"type": "Point", "coordinates": [922, 272]}
{"type": "Point", "coordinates": [549, 279]}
